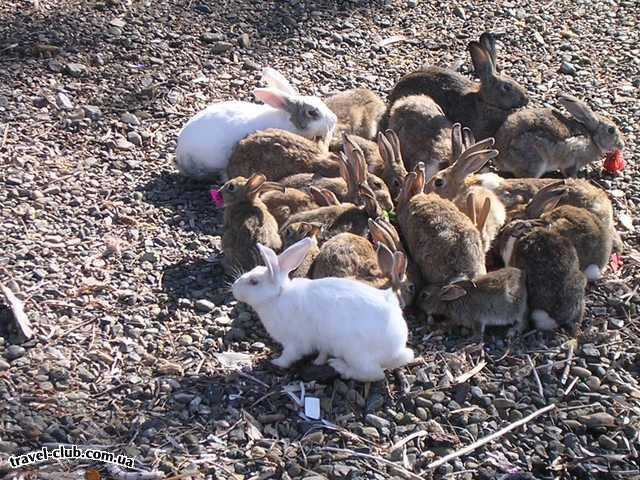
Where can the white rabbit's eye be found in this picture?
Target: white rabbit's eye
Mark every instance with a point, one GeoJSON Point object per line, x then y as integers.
{"type": "Point", "coordinates": [313, 113]}
{"type": "Point", "coordinates": [611, 130]}
{"type": "Point", "coordinates": [253, 281]}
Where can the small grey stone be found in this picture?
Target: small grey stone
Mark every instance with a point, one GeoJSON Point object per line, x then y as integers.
{"type": "Point", "coordinates": [590, 350]}
{"type": "Point", "coordinates": [4, 365]}
{"type": "Point", "coordinates": [129, 119]}
{"type": "Point", "coordinates": [14, 351]}
{"type": "Point", "coordinates": [92, 112]}
{"type": "Point", "coordinates": [210, 37]}
{"type": "Point", "coordinates": [459, 12]}
{"type": "Point", "coordinates": [221, 47]}
{"type": "Point", "coordinates": [135, 138]}
{"type": "Point", "coordinates": [75, 69]}
{"type": "Point", "coordinates": [580, 372]}
{"type": "Point", "coordinates": [63, 101]}
{"type": "Point", "coordinates": [40, 102]}
{"type": "Point", "coordinates": [152, 257]}
{"type": "Point", "coordinates": [204, 305]}
{"type": "Point", "coordinates": [244, 40]}
{"type": "Point", "coordinates": [8, 447]}
{"type": "Point", "coordinates": [55, 66]}
{"type": "Point", "coordinates": [568, 68]}
{"type": "Point", "coordinates": [123, 144]}
{"type": "Point", "coordinates": [438, 397]}
{"type": "Point", "coordinates": [4, 102]}
{"type": "Point", "coordinates": [607, 442]}
{"type": "Point", "coordinates": [376, 421]}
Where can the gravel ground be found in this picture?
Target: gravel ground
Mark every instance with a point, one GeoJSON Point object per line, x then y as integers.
{"type": "Point", "coordinates": [118, 259]}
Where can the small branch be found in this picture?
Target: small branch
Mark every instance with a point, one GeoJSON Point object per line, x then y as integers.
{"type": "Point", "coordinates": [17, 308]}
{"type": "Point", "coordinates": [467, 375]}
{"type": "Point", "coordinates": [567, 367]}
{"type": "Point", "coordinates": [493, 436]}
{"type": "Point", "coordinates": [120, 474]}
{"type": "Point", "coordinates": [377, 459]}
{"type": "Point", "coordinates": [536, 376]}
{"type": "Point", "coordinates": [407, 439]}
{"type": "Point", "coordinates": [570, 387]}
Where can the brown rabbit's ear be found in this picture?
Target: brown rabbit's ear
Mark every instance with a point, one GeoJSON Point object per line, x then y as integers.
{"type": "Point", "coordinates": [271, 186]}
{"type": "Point", "coordinates": [481, 219]}
{"type": "Point", "coordinates": [395, 146]}
{"type": "Point", "coordinates": [482, 63]}
{"type": "Point", "coordinates": [468, 164]}
{"type": "Point", "coordinates": [470, 207]}
{"type": "Point", "coordinates": [407, 188]}
{"type": "Point", "coordinates": [380, 235]}
{"type": "Point", "coordinates": [400, 264]}
{"type": "Point", "coordinates": [449, 293]}
{"type": "Point", "coordinates": [385, 259]}
{"type": "Point", "coordinates": [580, 111]}
{"type": "Point", "coordinates": [488, 42]}
{"type": "Point", "coordinates": [468, 138]}
{"type": "Point", "coordinates": [421, 175]}
{"type": "Point", "coordinates": [345, 171]}
{"type": "Point", "coordinates": [390, 230]}
{"type": "Point", "coordinates": [254, 185]}
{"type": "Point", "coordinates": [547, 198]}
{"type": "Point", "coordinates": [368, 198]}
{"type": "Point", "coordinates": [330, 197]}
{"type": "Point", "coordinates": [457, 144]}
{"type": "Point", "coordinates": [317, 196]}
{"type": "Point", "coordinates": [311, 229]}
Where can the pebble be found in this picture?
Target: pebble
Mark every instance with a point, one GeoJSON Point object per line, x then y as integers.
{"type": "Point", "coordinates": [63, 101]}
{"type": "Point", "coordinates": [607, 442]}
{"type": "Point", "coordinates": [459, 12]}
{"type": "Point", "coordinates": [123, 144]}
{"type": "Point", "coordinates": [568, 68]}
{"type": "Point", "coordinates": [593, 383]}
{"type": "Point", "coordinates": [92, 112]}
{"type": "Point", "coordinates": [129, 119]}
{"type": "Point", "coordinates": [244, 40]}
{"type": "Point", "coordinates": [580, 372]}
{"type": "Point", "coordinates": [13, 352]}
{"type": "Point", "coordinates": [376, 421]}
{"type": "Point", "coordinates": [210, 37]}
{"type": "Point", "coordinates": [40, 102]}
{"type": "Point", "coordinates": [4, 365]}
{"type": "Point", "coordinates": [221, 47]}
{"type": "Point", "coordinates": [590, 350]}
{"type": "Point", "coordinates": [204, 305]}
{"type": "Point", "coordinates": [135, 138]}
{"type": "Point", "coordinates": [598, 420]}
{"type": "Point", "coordinates": [75, 69]}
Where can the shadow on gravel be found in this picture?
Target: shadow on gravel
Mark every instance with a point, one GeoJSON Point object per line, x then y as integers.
{"type": "Point", "coordinates": [189, 201]}
{"type": "Point", "coordinates": [196, 279]}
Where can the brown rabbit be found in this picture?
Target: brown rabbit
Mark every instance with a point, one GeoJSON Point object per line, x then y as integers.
{"type": "Point", "coordinates": [515, 193]}
{"type": "Point", "coordinates": [284, 204]}
{"type": "Point", "coordinates": [424, 132]}
{"type": "Point", "coordinates": [539, 140]}
{"type": "Point", "coordinates": [440, 238]}
{"type": "Point", "coordinates": [555, 284]}
{"type": "Point", "coordinates": [588, 234]}
{"type": "Point", "coordinates": [247, 221]}
{"type": "Point", "coordinates": [482, 107]}
{"type": "Point", "coordinates": [278, 154]}
{"type": "Point", "coordinates": [495, 299]}
{"type": "Point", "coordinates": [470, 197]}
{"type": "Point", "coordinates": [358, 111]}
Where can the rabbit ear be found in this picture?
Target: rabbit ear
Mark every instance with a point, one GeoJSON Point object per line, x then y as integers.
{"type": "Point", "coordinates": [407, 188]}
{"type": "Point", "coordinates": [457, 145]}
{"type": "Point", "coordinates": [449, 293]}
{"type": "Point", "coordinates": [470, 164]}
{"type": "Point", "coordinates": [270, 259]}
{"type": "Point", "coordinates": [270, 186]}
{"type": "Point", "coordinates": [317, 196]}
{"type": "Point", "coordinates": [275, 79]}
{"type": "Point", "coordinates": [274, 98]}
{"type": "Point", "coordinates": [330, 197]}
{"type": "Point", "coordinates": [385, 260]}
{"type": "Point", "coordinates": [481, 219]}
{"type": "Point", "coordinates": [580, 111]}
{"type": "Point", "coordinates": [293, 256]}
{"type": "Point", "coordinates": [482, 63]}
{"type": "Point", "coordinates": [421, 176]}
{"type": "Point", "coordinates": [400, 264]}
{"type": "Point", "coordinates": [547, 198]}
{"type": "Point", "coordinates": [368, 198]}
{"type": "Point", "coordinates": [488, 42]}
{"type": "Point", "coordinates": [468, 138]}
{"type": "Point", "coordinates": [311, 229]}
{"type": "Point", "coordinates": [253, 185]}
{"type": "Point", "coordinates": [380, 234]}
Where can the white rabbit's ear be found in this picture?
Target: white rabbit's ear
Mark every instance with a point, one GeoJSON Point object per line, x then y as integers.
{"type": "Point", "coordinates": [275, 79]}
{"type": "Point", "coordinates": [274, 98]}
{"type": "Point", "coordinates": [580, 111]}
{"type": "Point", "coordinates": [270, 259]}
{"type": "Point", "coordinates": [293, 256]}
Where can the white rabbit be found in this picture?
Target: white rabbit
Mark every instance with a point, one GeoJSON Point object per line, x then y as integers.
{"type": "Point", "coordinates": [206, 141]}
{"type": "Point", "coordinates": [360, 327]}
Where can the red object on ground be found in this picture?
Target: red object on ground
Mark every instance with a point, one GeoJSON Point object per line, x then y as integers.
{"type": "Point", "coordinates": [615, 262]}
{"type": "Point", "coordinates": [614, 162]}
{"type": "Point", "coordinates": [216, 196]}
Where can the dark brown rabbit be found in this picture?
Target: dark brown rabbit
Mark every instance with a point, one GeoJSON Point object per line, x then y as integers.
{"type": "Point", "coordinates": [247, 221]}
{"type": "Point", "coordinates": [555, 284]}
{"type": "Point", "coordinates": [441, 239]}
{"type": "Point", "coordinates": [480, 106]}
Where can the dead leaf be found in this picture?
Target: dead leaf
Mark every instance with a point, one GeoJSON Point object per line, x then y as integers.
{"type": "Point", "coordinates": [17, 308]}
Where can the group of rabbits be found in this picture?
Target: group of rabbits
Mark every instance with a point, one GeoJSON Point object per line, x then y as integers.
{"type": "Point", "coordinates": [377, 206]}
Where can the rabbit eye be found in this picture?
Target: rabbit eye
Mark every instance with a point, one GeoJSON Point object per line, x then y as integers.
{"type": "Point", "coordinates": [313, 113]}
{"type": "Point", "coordinates": [439, 182]}
{"type": "Point", "coordinates": [424, 295]}
{"type": "Point", "coordinates": [611, 130]}
{"type": "Point", "coordinates": [411, 288]}
{"type": "Point", "coordinates": [231, 187]}
{"type": "Point", "coordinates": [506, 87]}
{"type": "Point", "coordinates": [253, 281]}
